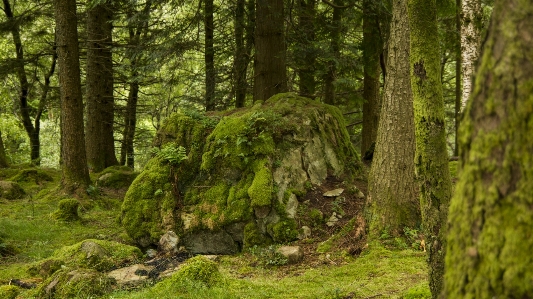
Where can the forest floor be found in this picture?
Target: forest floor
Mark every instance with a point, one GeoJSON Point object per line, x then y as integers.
{"type": "Point", "coordinates": [391, 269]}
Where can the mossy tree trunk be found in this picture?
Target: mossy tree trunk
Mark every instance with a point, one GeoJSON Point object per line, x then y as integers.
{"type": "Point", "coordinates": [3, 159]}
{"type": "Point", "coordinates": [491, 220]}
{"type": "Point", "coordinates": [270, 75]}
{"type": "Point", "coordinates": [372, 49]}
{"type": "Point", "coordinates": [100, 141]}
{"type": "Point", "coordinates": [393, 191]}
{"type": "Point", "coordinates": [75, 174]}
{"type": "Point", "coordinates": [431, 158]}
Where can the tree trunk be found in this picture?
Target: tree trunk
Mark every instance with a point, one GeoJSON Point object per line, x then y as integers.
{"type": "Point", "coordinates": [127, 154]}
{"type": "Point", "coordinates": [372, 49]}
{"type": "Point", "coordinates": [489, 238]}
{"type": "Point", "coordinates": [335, 45]}
{"type": "Point", "coordinates": [244, 28]}
{"type": "Point", "coordinates": [209, 56]}
{"type": "Point", "coordinates": [431, 158]}
{"type": "Point", "coordinates": [306, 53]}
{"type": "Point", "coordinates": [269, 67]}
{"type": "Point", "coordinates": [3, 158]}
{"type": "Point", "coordinates": [471, 23]}
{"type": "Point", "coordinates": [458, 75]}
{"type": "Point", "coordinates": [75, 174]}
{"type": "Point", "coordinates": [100, 141]}
{"type": "Point", "coordinates": [393, 197]}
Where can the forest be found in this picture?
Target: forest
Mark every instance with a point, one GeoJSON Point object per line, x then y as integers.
{"type": "Point", "coordinates": [266, 149]}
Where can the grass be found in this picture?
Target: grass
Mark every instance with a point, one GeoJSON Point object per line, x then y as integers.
{"type": "Point", "coordinates": [28, 225]}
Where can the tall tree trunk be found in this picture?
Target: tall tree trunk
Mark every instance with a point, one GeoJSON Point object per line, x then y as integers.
{"type": "Point", "coordinates": [335, 45]}
{"type": "Point", "coordinates": [33, 134]}
{"type": "Point", "coordinates": [306, 54]}
{"type": "Point", "coordinates": [75, 174]}
{"type": "Point", "coordinates": [269, 67]}
{"type": "Point", "coordinates": [431, 158]}
{"type": "Point", "coordinates": [209, 56]}
{"type": "Point", "coordinates": [489, 238]}
{"type": "Point", "coordinates": [393, 197]}
{"type": "Point", "coordinates": [471, 24]}
{"type": "Point", "coordinates": [458, 75]}
{"type": "Point", "coordinates": [244, 31]}
{"type": "Point", "coordinates": [3, 158]}
{"type": "Point", "coordinates": [372, 49]}
{"type": "Point", "coordinates": [127, 154]}
{"type": "Point", "coordinates": [100, 141]}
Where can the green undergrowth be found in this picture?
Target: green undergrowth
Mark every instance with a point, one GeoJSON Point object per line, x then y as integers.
{"type": "Point", "coordinates": [378, 273]}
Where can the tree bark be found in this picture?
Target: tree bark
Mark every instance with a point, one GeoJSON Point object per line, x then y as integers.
{"type": "Point", "coordinates": [393, 197]}
{"type": "Point", "coordinates": [75, 174]}
{"type": "Point", "coordinates": [269, 67]}
{"type": "Point", "coordinates": [471, 24]}
{"type": "Point", "coordinates": [431, 158]}
{"type": "Point", "coordinates": [489, 238]}
{"type": "Point", "coordinates": [335, 45]}
{"type": "Point", "coordinates": [100, 141]}
{"type": "Point", "coordinates": [458, 76]}
{"type": "Point", "coordinates": [306, 53]}
{"type": "Point", "coordinates": [209, 56]}
{"type": "Point", "coordinates": [244, 31]}
{"type": "Point", "coordinates": [3, 158]}
{"type": "Point", "coordinates": [372, 49]}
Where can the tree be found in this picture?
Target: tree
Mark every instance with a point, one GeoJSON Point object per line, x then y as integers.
{"type": "Point", "coordinates": [306, 53]}
{"type": "Point", "coordinates": [431, 158]}
{"type": "Point", "coordinates": [393, 190]}
{"type": "Point", "coordinates": [372, 49]}
{"type": "Point", "coordinates": [3, 160]}
{"type": "Point", "coordinates": [75, 173]}
{"type": "Point", "coordinates": [489, 238]}
{"type": "Point", "coordinates": [209, 56]}
{"type": "Point", "coordinates": [32, 128]}
{"type": "Point", "coordinates": [269, 66]}
{"type": "Point", "coordinates": [471, 24]}
{"type": "Point", "coordinates": [100, 141]}
{"type": "Point", "coordinates": [335, 46]}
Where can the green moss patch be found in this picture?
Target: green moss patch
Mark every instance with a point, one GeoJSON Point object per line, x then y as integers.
{"type": "Point", "coordinates": [80, 283]}
{"type": "Point", "coordinates": [9, 292]}
{"type": "Point", "coordinates": [67, 210]}
{"type": "Point", "coordinates": [116, 177]}
{"type": "Point", "coordinates": [198, 269]}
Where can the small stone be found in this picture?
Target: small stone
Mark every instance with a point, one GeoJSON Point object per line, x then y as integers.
{"type": "Point", "coordinates": [305, 233]}
{"type": "Point", "coordinates": [151, 253]}
{"type": "Point", "coordinates": [294, 254]}
{"type": "Point", "coordinates": [360, 195]}
{"type": "Point", "coordinates": [211, 257]}
{"type": "Point", "coordinates": [168, 244]}
{"type": "Point", "coordinates": [332, 220]}
{"type": "Point", "coordinates": [132, 275]}
{"type": "Point", "coordinates": [334, 193]}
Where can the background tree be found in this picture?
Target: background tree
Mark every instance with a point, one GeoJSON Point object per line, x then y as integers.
{"type": "Point", "coordinates": [100, 141]}
{"type": "Point", "coordinates": [431, 158]}
{"type": "Point", "coordinates": [305, 53]}
{"type": "Point", "coordinates": [209, 56]}
{"type": "Point", "coordinates": [3, 160]}
{"type": "Point", "coordinates": [393, 197]}
{"type": "Point", "coordinates": [471, 24]}
{"type": "Point", "coordinates": [75, 173]}
{"type": "Point", "coordinates": [270, 75]}
{"type": "Point", "coordinates": [489, 238]}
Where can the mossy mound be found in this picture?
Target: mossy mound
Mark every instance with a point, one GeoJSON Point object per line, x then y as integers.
{"type": "Point", "coordinates": [99, 255]}
{"type": "Point", "coordinates": [240, 171]}
{"type": "Point", "coordinates": [9, 292]}
{"type": "Point", "coordinates": [67, 210]}
{"type": "Point", "coordinates": [79, 283]}
{"type": "Point", "coordinates": [198, 269]}
{"type": "Point", "coordinates": [11, 190]}
{"type": "Point", "coordinates": [116, 177]}
{"type": "Point", "coordinates": [34, 175]}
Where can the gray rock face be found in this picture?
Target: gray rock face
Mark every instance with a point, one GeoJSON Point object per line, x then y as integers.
{"type": "Point", "coordinates": [168, 244]}
{"type": "Point", "coordinates": [130, 276]}
{"type": "Point", "coordinates": [294, 254]}
{"type": "Point", "coordinates": [210, 242]}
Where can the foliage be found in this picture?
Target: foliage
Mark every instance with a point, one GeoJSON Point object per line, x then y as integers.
{"type": "Point", "coordinates": [171, 154]}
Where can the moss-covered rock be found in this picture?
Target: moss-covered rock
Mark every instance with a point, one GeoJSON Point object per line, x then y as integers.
{"type": "Point", "coordinates": [116, 177]}
{"type": "Point", "coordinates": [80, 283]}
{"type": "Point", "coordinates": [11, 190]}
{"type": "Point", "coordinates": [67, 210]}
{"type": "Point", "coordinates": [99, 255]}
{"type": "Point", "coordinates": [34, 175]}
{"type": "Point", "coordinates": [238, 170]}
{"type": "Point", "coordinates": [9, 291]}
{"type": "Point", "coordinates": [198, 269]}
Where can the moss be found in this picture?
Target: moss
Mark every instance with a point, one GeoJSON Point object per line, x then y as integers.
{"type": "Point", "coordinates": [420, 291]}
{"type": "Point", "coordinates": [9, 291]}
{"type": "Point", "coordinates": [116, 177]}
{"type": "Point", "coordinates": [11, 190]}
{"type": "Point", "coordinates": [284, 231]}
{"type": "Point", "coordinates": [316, 217]}
{"type": "Point", "coordinates": [260, 191]}
{"type": "Point", "coordinates": [81, 283]}
{"type": "Point", "coordinates": [92, 254]}
{"type": "Point", "coordinates": [453, 169]}
{"type": "Point", "coordinates": [253, 236]}
{"type": "Point", "coordinates": [67, 210]}
{"type": "Point", "coordinates": [35, 175]}
{"type": "Point", "coordinates": [197, 269]}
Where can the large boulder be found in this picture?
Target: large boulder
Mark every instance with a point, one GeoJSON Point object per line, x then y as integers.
{"type": "Point", "coordinates": [242, 176]}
